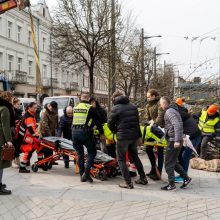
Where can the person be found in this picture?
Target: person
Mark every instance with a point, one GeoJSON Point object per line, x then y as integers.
{"type": "Point", "coordinates": [65, 128]}
{"type": "Point", "coordinates": [6, 122]}
{"type": "Point", "coordinates": [48, 125]}
{"type": "Point", "coordinates": [174, 136]}
{"type": "Point", "coordinates": [84, 119]}
{"type": "Point", "coordinates": [154, 115]}
{"type": "Point", "coordinates": [209, 124]}
{"type": "Point", "coordinates": [191, 129]}
{"type": "Point", "coordinates": [124, 122]}
{"type": "Point", "coordinates": [29, 137]}
{"type": "Point", "coordinates": [18, 117]}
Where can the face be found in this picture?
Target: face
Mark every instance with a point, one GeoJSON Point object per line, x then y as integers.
{"type": "Point", "coordinates": [163, 104]}
{"type": "Point", "coordinates": [93, 103]}
{"type": "Point", "coordinates": [50, 107]}
{"type": "Point", "coordinates": [69, 112]}
{"type": "Point", "coordinates": [33, 108]}
{"type": "Point", "coordinates": [17, 105]}
{"type": "Point", "coordinates": [150, 97]}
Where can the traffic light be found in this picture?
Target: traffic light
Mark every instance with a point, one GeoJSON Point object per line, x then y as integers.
{"type": "Point", "coordinates": [6, 5]}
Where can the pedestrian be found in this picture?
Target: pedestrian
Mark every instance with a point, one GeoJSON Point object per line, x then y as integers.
{"type": "Point", "coordinates": [174, 136]}
{"type": "Point", "coordinates": [18, 117]}
{"type": "Point", "coordinates": [84, 119]}
{"type": "Point", "coordinates": [6, 122]}
{"type": "Point", "coordinates": [65, 128]}
{"type": "Point", "coordinates": [124, 122]}
{"type": "Point", "coordinates": [154, 115]}
{"type": "Point", "coordinates": [48, 125]}
{"type": "Point", "coordinates": [29, 138]}
{"type": "Point", "coordinates": [190, 128]}
{"type": "Point", "coordinates": [209, 124]}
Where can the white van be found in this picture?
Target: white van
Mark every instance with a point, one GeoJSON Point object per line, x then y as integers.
{"type": "Point", "coordinates": [62, 101]}
{"type": "Point", "coordinates": [24, 102]}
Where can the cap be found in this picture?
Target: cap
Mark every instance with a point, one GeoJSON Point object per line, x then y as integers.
{"type": "Point", "coordinates": [212, 109]}
{"type": "Point", "coordinates": [180, 101]}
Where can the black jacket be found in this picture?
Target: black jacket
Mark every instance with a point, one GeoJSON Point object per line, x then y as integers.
{"type": "Point", "coordinates": [65, 126]}
{"type": "Point", "coordinates": [102, 114]}
{"type": "Point", "coordinates": [124, 120]}
{"type": "Point", "coordinates": [18, 114]}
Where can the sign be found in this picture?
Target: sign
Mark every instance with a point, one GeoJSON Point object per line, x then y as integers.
{"type": "Point", "coordinates": [7, 5]}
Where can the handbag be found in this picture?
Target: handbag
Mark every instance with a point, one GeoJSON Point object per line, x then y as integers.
{"type": "Point", "coordinates": [7, 152]}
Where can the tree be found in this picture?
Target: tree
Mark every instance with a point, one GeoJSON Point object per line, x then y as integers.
{"type": "Point", "coordinates": [81, 33]}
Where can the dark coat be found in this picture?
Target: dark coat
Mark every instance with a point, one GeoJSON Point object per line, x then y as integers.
{"type": "Point", "coordinates": [18, 114]}
{"type": "Point", "coordinates": [101, 112]}
{"type": "Point", "coordinates": [65, 126]}
{"type": "Point", "coordinates": [6, 122]}
{"type": "Point", "coordinates": [155, 112]}
{"type": "Point", "coordinates": [124, 120]}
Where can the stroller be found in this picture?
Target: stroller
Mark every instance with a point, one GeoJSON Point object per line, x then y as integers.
{"type": "Point", "coordinates": [104, 166]}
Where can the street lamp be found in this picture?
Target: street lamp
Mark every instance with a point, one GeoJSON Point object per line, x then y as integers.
{"type": "Point", "coordinates": [155, 59]}
{"type": "Point", "coordinates": [147, 37]}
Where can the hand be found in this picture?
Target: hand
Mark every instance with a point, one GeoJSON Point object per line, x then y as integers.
{"type": "Point", "coordinates": [102, 137]}
{"type": "Point", "coordinates": [10, 144]}
{"type": "Point", "coordinates": [177, 145]}
{"type": "Point", "coordinates": [140, 141]}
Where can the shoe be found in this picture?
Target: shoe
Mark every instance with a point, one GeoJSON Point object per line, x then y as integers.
{"type": "Point", "coordinates": [43, 167]}
{"type": "Point", "coordinates": [3, 186]}
{"type": "Point", "coordinates": [154, 177]}
{"type": "Point", "coordinates": [23, 170]}
{"type": "Point", "coordinates": [169, 187]}
{"type": "Point", "coordinates": [55, 163]}
{"type": "Point", "coordinates": [179, 179]}
{"type": "Point", "coordinates": [186, 183]}
{"type": "Point", "coordinates": [142, 181]}
{"type": "Point", "coordinates": [4, 191]}
{"type": "Point", "coordinates": [126, 185]}
{"type": "Point", "coordinates": [86, 178]}
{"type": "Point", "coordinates": [67, 165]}
{"type": "Point", "coordinates": [132, 174]}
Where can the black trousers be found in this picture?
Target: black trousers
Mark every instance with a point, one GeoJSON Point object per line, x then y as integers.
{"type": "Point", "coordinates": [204, 145]}
{"type": "Point", "coordinates": [172, 164]}
{"type": "Point", "coordinates": [131, 146]}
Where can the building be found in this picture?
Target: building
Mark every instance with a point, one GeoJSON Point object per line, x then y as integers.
{"type": "Point", "coordinates": [17, 61]}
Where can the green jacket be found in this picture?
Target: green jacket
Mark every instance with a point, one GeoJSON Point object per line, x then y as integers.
{"type": "Point", "coordinates": [5, 133]}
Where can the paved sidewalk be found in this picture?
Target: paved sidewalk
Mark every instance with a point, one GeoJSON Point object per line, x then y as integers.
{"type": "Point", "coordinates": [58, 194]}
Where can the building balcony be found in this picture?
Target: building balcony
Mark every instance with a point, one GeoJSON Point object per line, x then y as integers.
{"type": "Point", "coordinates": [16, 76]}
{"type": "Point", "coordinates": [71, 86]}
{"type": "Point", "coordinates": [46, 83]}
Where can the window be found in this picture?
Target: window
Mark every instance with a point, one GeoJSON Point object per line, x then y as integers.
{"type": "Point", "coordinates": [19, 33]}
{"type": "Point", "coordinates": [44, 12]}
{"type": "Point", "coordinates": [10, 62]}
{"type": "Point", "coordinates": [1, 61]}
{"type": "Point", "coordinates": [30, 67]}
{"type": "Point", "coordinates": [19, 64]}
{"type": "Point", "coordinates": [9, 29]}
{"type": "Point", "coordinates": [44, 71]}
{"type": "Point", "coordinates": [44, 44]}
{"type": "Point", "coordinates": [29, 38]}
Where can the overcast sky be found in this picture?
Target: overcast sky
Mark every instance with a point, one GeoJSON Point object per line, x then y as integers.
{"type": "Point", "coordinates": [174, 20]}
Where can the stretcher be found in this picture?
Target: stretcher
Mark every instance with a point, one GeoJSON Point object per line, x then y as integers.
{"type": "Point", "coordinates": [104, 166]}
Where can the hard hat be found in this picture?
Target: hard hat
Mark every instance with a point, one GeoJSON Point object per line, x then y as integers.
{"type": "Point", "coordinates": [212, 109]}
{"type": "Point", "coordinates": [179, 101]}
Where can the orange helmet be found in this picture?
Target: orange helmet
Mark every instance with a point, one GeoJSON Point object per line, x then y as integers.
{"type": "Point", "coordinates": [212, 109]}
{"type": "Point", "coordinates": [179, 101]}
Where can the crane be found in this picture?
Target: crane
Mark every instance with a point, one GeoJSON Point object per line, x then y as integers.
{"type": "Point", "coordinates": [6, 5]}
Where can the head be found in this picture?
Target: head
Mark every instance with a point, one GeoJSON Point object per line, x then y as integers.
{"type": "Point", "coordinates": [7, 96]}
{"type": "Point", "coordinates": [32, 107]}
{"type": "Point", "coordinates": [16, 103]}
{"type": "Point", "coordinates": [52, 106]}
{"type": "Point", "coordinates": [69, 111]}
{"type": "Point", "coordinates": [85, 97]}
{"type": "Point", "coordinates": [212, 110]}
{"type": "Point", "coordinates": [115, 95]}
{"type": "Point", "coordinates": [180, 101]}
{"type": "Point", "coordinates": [152, 94]}
{"type": "Point", "coordinates": [92, 102]}
{"type": "Point", "coordinates": [164, 102]}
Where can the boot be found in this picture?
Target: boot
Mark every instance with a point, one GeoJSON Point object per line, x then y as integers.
{"type": "Point", "coordinates": [67, 165]}
{"type": "Point", "coordinates": [86, 178]}
{"type": "Point", "coordinates": [3, 190]}
{"type": "Point", "coordinates": [126, 185]}
{"type": "Point", "coordinates": [23, 170]}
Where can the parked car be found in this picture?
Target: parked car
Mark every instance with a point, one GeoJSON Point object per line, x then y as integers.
{"type": "Point", "coordinates": [62, 101]}
{"type": "Point", "coordinates": [25, 102]}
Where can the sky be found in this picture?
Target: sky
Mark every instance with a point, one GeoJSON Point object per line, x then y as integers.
{"type": "Point", "coordinates": [174, 20]}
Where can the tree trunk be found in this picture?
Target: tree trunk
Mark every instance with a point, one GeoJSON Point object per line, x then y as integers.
{"type": "Point", "coordinates": [91, 83]}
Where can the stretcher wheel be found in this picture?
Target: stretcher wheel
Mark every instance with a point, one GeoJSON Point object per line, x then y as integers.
{"type": "Point", "coordinates": [49, 166]}
{"type": "Point", "coordinates": [34, 168]}
{"type": "Point", "coordinates": [102, 175]}
{"type": "Point", "coordinates": [114, 172]}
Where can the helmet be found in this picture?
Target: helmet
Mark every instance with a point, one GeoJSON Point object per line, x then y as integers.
{"type": "Point", "coordinates": [180, 101]}
{"type": "Point", "coordinates": [212, 109]}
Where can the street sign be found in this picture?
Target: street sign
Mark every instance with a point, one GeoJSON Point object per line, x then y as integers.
{"type": "Point", "coordinates": [7, 5]}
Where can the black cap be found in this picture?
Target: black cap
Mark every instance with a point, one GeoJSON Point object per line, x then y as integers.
{"type": "Point", "coordinates": [54, 104]}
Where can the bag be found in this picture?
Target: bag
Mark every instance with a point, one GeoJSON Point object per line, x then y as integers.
{"type": "Point", "coordinates": [7, 152]}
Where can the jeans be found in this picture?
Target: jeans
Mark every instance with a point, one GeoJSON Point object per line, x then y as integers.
{"type": "Point", "coordinates": [172, 164]}
{"type": "Point", "coordinates": [204, 145]}
{"type": "Point", "coordinates": [1, 174]}
{"type": "Point", "coordinates": [131, 146]}
{"type": "Point", "coordinates": [186, 153]}
{"type": "Point", "coordinates": [81, 138]}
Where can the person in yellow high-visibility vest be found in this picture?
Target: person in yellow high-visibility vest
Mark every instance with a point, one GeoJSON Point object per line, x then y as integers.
{"type": "Point", "coordinates": [209, 124]}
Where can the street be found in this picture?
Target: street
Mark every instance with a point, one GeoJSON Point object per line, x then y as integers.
{"type": "Point", "coordinates": [58, 194]}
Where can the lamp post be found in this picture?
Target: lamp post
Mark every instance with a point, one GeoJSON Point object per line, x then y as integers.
{"type": "Point", "coordinates": [155, 59]}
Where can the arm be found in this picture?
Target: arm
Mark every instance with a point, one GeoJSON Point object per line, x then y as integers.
{"type": "Point", "coordinates": [5, 120]}
{"type": "Point", "coordinates": [147, 114]}
{"type": "Point", "coordinates": [93, 114]}
{"type": "Point", "coordinates": [160, 117]}
{"type": "Point", "coordinates": [45, 125]}
{"type": "Point", "coordinates": [112, 120]}
{"type": "Point", "coordinates": [60, 127]}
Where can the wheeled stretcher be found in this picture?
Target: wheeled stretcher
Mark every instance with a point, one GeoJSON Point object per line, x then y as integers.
{"type": "Point", "coordinates": [104, 166]}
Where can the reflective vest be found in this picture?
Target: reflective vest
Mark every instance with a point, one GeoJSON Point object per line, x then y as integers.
{"type": "Point", "coordinates": [80, 114]}
{"type": "Point", "coordinates": [110, 137]}
{"type": "Point", "coordinates": [207, 125]}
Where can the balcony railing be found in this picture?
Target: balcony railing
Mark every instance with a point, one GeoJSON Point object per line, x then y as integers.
{"type": "Point", "coordinates": [16, 76]}
{"type": "Point", "coordinates": [46, 83]}
{"type": "Point", "coordinates": [71, 86]}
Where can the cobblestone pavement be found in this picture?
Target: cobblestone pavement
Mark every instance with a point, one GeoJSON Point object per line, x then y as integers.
{"type": "Point", "coordinates": [58, 194]}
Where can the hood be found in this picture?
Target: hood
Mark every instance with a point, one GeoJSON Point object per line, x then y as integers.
{"type": "Point", "coordinates": [174, 106]}
{"type": "Point", "coordinates": [153, 102]}
{"type": "Point", "coordinates": [121, 100]}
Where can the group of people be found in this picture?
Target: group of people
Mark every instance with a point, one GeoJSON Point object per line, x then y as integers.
{"type": "Point", "coordinates": [163, 121]}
